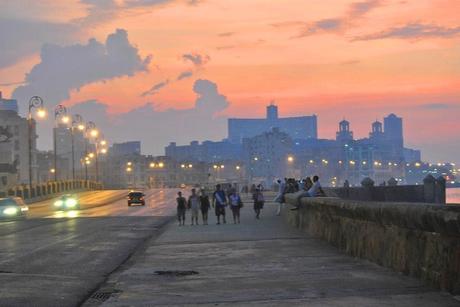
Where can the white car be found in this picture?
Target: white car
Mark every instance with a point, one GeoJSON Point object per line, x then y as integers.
{"type": "Point", "coordinates": [13, 207]}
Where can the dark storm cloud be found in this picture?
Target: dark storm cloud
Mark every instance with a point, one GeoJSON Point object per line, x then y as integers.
{"type": "Point", "coordinates": [157, 128]}
{"type": "Point", "coordinates": [413, 31]}
{"type": "Point", "coordinates": [64, 68]}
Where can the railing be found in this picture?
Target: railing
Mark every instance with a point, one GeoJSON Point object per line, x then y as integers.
{"type": "Point", "coordinates": [50, 189]}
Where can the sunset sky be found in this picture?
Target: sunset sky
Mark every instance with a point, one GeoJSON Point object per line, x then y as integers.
{"type": "Point", "coordinates": [184, 66]}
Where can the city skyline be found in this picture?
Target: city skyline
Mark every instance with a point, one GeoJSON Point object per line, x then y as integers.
{"type": "Point", "coordinates": [395, 57]}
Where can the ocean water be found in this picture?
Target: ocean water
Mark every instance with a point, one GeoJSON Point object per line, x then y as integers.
{"type": "Point", "coordinates": [453, 196]}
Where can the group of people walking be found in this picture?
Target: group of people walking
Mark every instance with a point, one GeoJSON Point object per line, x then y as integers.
{"type": "Point", "coordinates": [220, 201]}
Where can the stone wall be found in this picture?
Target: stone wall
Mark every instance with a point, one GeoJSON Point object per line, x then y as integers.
{"type": "Point", "coordinates": [432, 191]}
{"type": "Point", "coordinates": [420, 240]}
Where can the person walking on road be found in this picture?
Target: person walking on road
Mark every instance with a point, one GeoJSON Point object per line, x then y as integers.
{"type": "Point", "coordinates": [219, 202]}
{"type": "Point", "coordinates": [194, 205]}
{"type": "Point", "coordinates": [235, 204]}
{"type": "Point", "coordinates": [259, 201]}
{"type": "Point", "coordinates": [181, 208]}
{"type": "Point", "coordinates": [204, 206]}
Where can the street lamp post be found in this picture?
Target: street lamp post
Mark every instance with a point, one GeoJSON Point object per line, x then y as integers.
{"type": "Point", "coordinates": [89, 127]}
{"type": "Point", "coordinates": [77, 122]}
{"type": "Point", "coordinates": [59, 111]}
{"type": "Point", "coordinates": [34, 102]}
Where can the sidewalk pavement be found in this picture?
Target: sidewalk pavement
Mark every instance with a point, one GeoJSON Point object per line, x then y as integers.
{"type": "Point", "coordinates": [257, 263]}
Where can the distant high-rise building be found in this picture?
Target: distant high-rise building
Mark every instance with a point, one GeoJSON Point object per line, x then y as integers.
{"type": "Point", "coordinates": [207, 151]}
{"type": "Point", "coordinates": [18, 148]}
{"type": "Point", "coordinates": [126, 148]}
{"type": "Point", "coordinates": [393, 129]}
{"type": "Point", "coordinates": [8, 104]}
{"type": "Point", "coordinates": [266, 154]}
{"type": "Point", "coordinates": [302, 127]}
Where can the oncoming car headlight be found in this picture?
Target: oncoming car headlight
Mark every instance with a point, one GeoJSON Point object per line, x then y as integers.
{"type": "Point", "coordinates": [71, 202]}
{"type": "Point", "coordinates": [10, 211]}
{"type": "Point", "coordinates": [58, 203]}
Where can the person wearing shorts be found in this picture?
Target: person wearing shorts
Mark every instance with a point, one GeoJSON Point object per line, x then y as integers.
{"type": "Point", "coordinates": [194, 206]}
{"type": "Point", "coordinates": [219, 202]}
{"type": "Point", "coordinates": [235, 205]}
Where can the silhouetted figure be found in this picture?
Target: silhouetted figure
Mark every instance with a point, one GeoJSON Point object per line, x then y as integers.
{"type": "Point", "coordinates": [194, 206]}
{"type": "Point", "coordinates": [181, 208]}
{"type": "Point", "coordinates": [204, 206]}
{"type": "Point", "coordinates": [259, 201]}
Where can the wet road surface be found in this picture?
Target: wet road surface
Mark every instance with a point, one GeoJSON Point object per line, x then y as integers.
{"type": "Point", "coordinates": [58, 258]}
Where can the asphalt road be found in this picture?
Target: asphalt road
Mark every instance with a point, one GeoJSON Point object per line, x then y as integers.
{"type": "Point", "coordinates": [56, 258]}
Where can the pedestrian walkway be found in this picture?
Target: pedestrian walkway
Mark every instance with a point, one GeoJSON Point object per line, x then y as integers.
{"type": "Point", "coordinates": [258, 263]}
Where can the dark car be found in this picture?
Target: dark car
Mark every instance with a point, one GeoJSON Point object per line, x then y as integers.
{"type": "Point", "coordinates": [67, 202]}
{"type": "Point", "coordinates": [13, 207]}
{"type": "Point", "coordinates": [136, 197]}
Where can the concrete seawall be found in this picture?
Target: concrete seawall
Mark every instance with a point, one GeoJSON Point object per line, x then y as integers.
{"type": "Point", "coordinates": [420, 240]}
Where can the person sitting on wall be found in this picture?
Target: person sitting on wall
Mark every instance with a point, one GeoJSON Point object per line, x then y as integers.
{"type": "Point", "coordinates": [314, 191]}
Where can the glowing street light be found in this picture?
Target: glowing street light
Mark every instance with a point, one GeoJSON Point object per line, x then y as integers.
{"type": "Point", "coordinates": [91, 155]}
{"type": "Point", "coordinates": [129, 169]}
{"type": "Point", "coordinates": [129, 163]}
{"type": "Point", "coordinates": [238, 167]}
{"type": "Point", "coordinates": [65, 119]}
{"type": "Point", "coordinates": [103, 142]}
{"type": "Point", "coordinates": [290, 159]}
{"type": "Point", "coordinates": [52, 170]}
{"type": "Point", "coordinates": [161, 165]}
{"type": "Point", "coordinates": [94, 133]}
{"type": "Point", "coordinates": [152, 165]}
{"type": "Point", "coordinates": [104, 151]}
{"type": "Point", "coordinates": [41, 113]}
